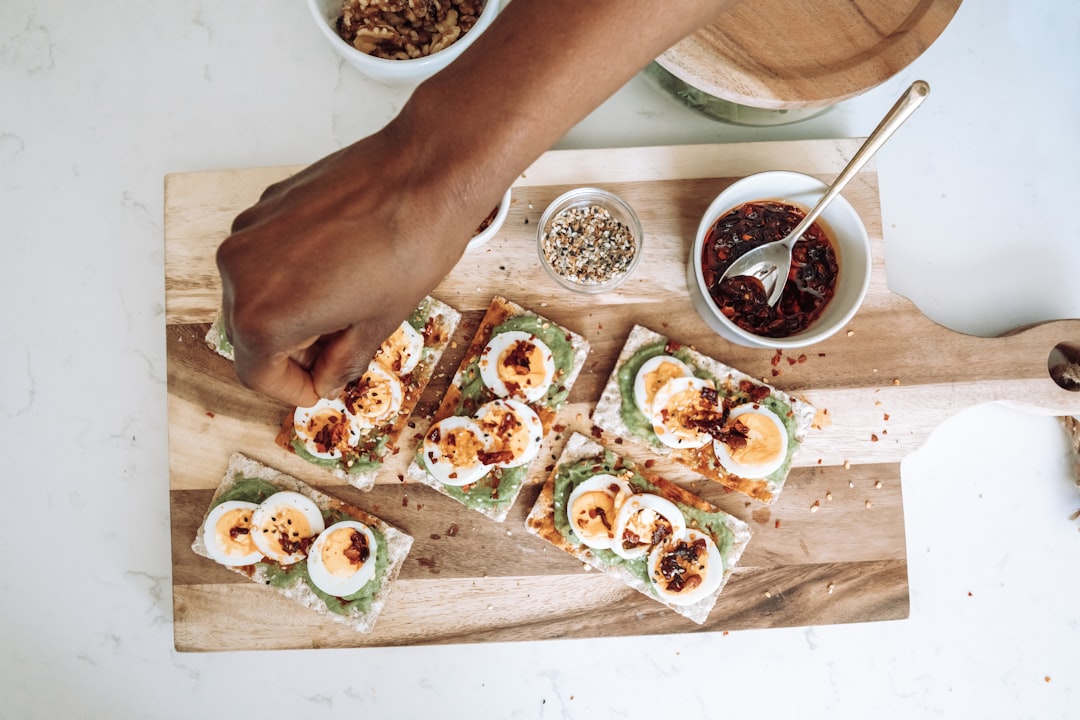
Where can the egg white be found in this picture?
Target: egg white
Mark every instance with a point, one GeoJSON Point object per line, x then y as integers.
{"type": "Point", "coordinates": [669, 431]}
{"type": "Point", "coordinates": [598, 483]}
{"type": "Point", "coordinates": [341, 585]}
{"type": "Point", "coordinates": [367, 408]}
{"type": "Point", "coordinates": [308, 420]}
{"type": "Point", "coordinates": [401, 352]}
{"type": "Point", "coordinates": [759, 470]}
{"type": "Point", "coordinates": [530, 428]}
{"type": "Point", "coordinates": [643, 512]}
{"type": "Point", "coordinates": [712, 576]}
{"type": "Point", "coordinates": [496, 348]}
{"type": "Point", "coordinates": [439, 465]}
{"type": "Point", "coordinates": [266, 523]}
{"type": "Point", "coordinates": [642, 398]}
{"type": "Point", "coordinates": [222, 549]}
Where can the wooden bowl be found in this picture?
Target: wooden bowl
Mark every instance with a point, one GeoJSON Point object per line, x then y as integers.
{"type": "Point", "coordinates": [786, 54]}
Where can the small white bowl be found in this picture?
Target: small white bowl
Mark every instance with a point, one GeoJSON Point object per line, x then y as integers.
{"type": "Point", "coordinates": [839, 220]}
{"type": "Point", "coordinates": [396, 72]}
{"type": "Point", "coordinates": [494, 226]}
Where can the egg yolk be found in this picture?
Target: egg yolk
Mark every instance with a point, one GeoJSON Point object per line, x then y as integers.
{"type": "Point", "coordinates": [233, 532]}
{"type": "Point", "coordinates": [654, 380]}
{"type": "Point", "coordinates": [593, 514]}
{"type": "Point", "coordinates": [763, 439]}
{"type": "Point", "coordinates": [288, 530]}
{"type": "Point", "coordinates": [511, 435]}
{"type": "Point", "coordinates": [522, 365]}
{"type": "Point", "coordinates": [684, 566]}
{"type": "Point", "coordinates": [345, 552]}
{"type": "Point", "coordinates": [372, 397]}
{"type": "Point", "coordinates": [645, 527]}
{"type": "Point", "coordinates": [460, 447]}
{"type": "Point", "coordinates": [688, 413]}
{"type": "Point", "coordinates": [395, 352]}
{"type": "Point", "coordinates": [328, 429]}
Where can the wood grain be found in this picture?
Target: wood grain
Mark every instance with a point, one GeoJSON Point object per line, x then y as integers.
{"type": "Point", "coordinates": [780, 54]}
{"type": "Point", "coordinates": [895, 377]}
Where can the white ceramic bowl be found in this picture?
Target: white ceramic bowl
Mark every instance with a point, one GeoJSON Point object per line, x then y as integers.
{"type": "Point", "coordinates": [839, 220]}
{"type": "Point", "coordinates": [494, 226]}
{"type": "Point", "coordinates": [396, 72]}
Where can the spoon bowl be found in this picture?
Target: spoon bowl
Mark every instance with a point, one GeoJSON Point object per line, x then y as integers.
{"type": "Point", "coordinates": [771, 263]}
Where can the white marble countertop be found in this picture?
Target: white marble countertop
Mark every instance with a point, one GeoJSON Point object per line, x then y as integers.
{"type": "Point", "coordinates": [98, 102]}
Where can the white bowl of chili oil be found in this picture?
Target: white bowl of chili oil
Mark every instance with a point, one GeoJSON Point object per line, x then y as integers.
{"type": "Point", "coordinates": [830, 269]}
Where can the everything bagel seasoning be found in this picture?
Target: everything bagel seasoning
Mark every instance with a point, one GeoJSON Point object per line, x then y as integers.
{"type": "Point", "coordinates": [588, 245]}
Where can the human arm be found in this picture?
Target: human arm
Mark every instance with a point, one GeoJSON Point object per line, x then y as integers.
{"type": "Point", "coordinates": [330, 261]}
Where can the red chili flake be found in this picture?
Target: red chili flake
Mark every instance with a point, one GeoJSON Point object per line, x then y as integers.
{"type": "Point", "coordinates": [452, 531]}
{"type": "Point", "coordinates": [802, 359]}
{"type": "Point", "coordinates": [650, 463]}
{"type": "Point", "coordinates": [672, 347]}
{"type": "Point", "coordinates": [884, 432]}
{"type": "Point", "coordinates": [776, 358]}
{"type": "Point", "coordinates": [435, 536]}
{"type": "Point", "coordinates": [210, 413]}
{"type": "Point", "coordinates": [599, 326]}
{"type": "Point", "coordinates": [401, 477]}
{"type": "Point", "coordinates": [777, 524]}
{"type": "Point", "coordinates": [618, 441]}
{"type": "Point", "coordinates": [596, 432]}
{"type": "Point", "coordinates": [419, 506]}
{"type": "Point", "coordinates": [775, 372]}
{"type": "Point", "coordinates": [791, 361]}
{"type": "Point", "coordinates": [405, 501]}
{"type": "Point", "coordinates": [886, 417]}
{"type": "Point", "coordinates": [819, 461]}
{"type": "Point", "coordinates": [549, 468]}
{"type": "Point", "coordinates": [873, 437]}
{"type": "Point", "coordinates": [558, 428]}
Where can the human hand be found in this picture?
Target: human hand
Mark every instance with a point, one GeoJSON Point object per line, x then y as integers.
{"type": "Point", "coordinates": [328, 262]}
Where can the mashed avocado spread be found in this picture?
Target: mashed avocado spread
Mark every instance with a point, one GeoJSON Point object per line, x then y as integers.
{"type": "Point", "coordinates": [254, 490]}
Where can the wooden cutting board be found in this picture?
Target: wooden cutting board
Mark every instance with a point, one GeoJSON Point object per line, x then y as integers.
{"type": "Point", "coordinates": [831, 550]}
{"type": "Point", "coordinates": [814, 54]}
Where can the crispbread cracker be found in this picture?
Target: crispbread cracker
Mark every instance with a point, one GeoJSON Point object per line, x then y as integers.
{"type": "Point", "coordinates": [398, 543]}
{"type": "Point", "coordinates": [445, 319]}
{"type": "Point", "coordinates": [542, 518]}
{"type": "Point", "coordinates": [499, 311]}
{"type": "Point", "coordinates": [608, 415]}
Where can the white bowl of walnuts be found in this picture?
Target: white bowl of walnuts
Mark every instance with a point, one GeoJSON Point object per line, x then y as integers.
{"type": "Point", "coordinates": [402, 42]}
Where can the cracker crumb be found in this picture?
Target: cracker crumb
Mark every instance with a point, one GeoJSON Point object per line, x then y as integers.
{"type": "Point", "coordinates": [847, 464]}
{"type": "Point", "coordinates": [877, 485]}
{"type": "Point", "coordinates": [815, 506]}
{"type": "Point", "coordinates": [851, 483]}
{"type": "Point", "coordinates": [828, 496]}
{"type": "Point", "coordinates": [869, 504]}
{"type": "Point", "coordinates": [850, 333]}
{"type": "Point", "coordinates": [896, 381]}
{"type": "Point", "coordinates": [586, 567]}
{"type": "Point", "coordinates": [830, 588]}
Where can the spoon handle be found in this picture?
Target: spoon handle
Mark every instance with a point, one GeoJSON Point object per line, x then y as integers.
{"type": "Point", "coordinates": [889, 124]}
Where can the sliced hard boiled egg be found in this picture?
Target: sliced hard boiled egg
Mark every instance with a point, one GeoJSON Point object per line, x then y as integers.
{"type": "Point", "coordinates": [683, 411]}
{"type": "Point", "coordinates": [401, 352]}
{"type": "Point", "coordinates": [326, 428]}
{"type": "Point", "coordinates": [284, 524]}
{"type": "Point", "coordinates": [375, 397]}
{"type": "Point", "coordinates": [593, 507]}
{"type": "Point", "coordinates": [517, 364]}
{"type": "Point", "coordinates": [227, 534]}
{"type": "Point", "coordinates": [653, 374]}
{"type": "Point", "coordinates": [753, 443]}
{"type": "Point", "coordinates": [643, 521]}
{"type": "Point", "coordinates": [515, 432]}
{"type": "Point", "coordinates": [686, 570]}
{"type": "Point", "coordinates": [453, 448]}
{"type": "Point", "coordinates": [342, 558]}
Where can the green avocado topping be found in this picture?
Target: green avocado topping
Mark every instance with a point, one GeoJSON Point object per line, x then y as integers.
{"type": "Point", "coordinates": [571, 475]}
{"type": "Point", "coordinates": [254, 490]}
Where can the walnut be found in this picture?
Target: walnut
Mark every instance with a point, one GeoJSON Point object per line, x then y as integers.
{"type": "Point", "coordinates": [401, 29]}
